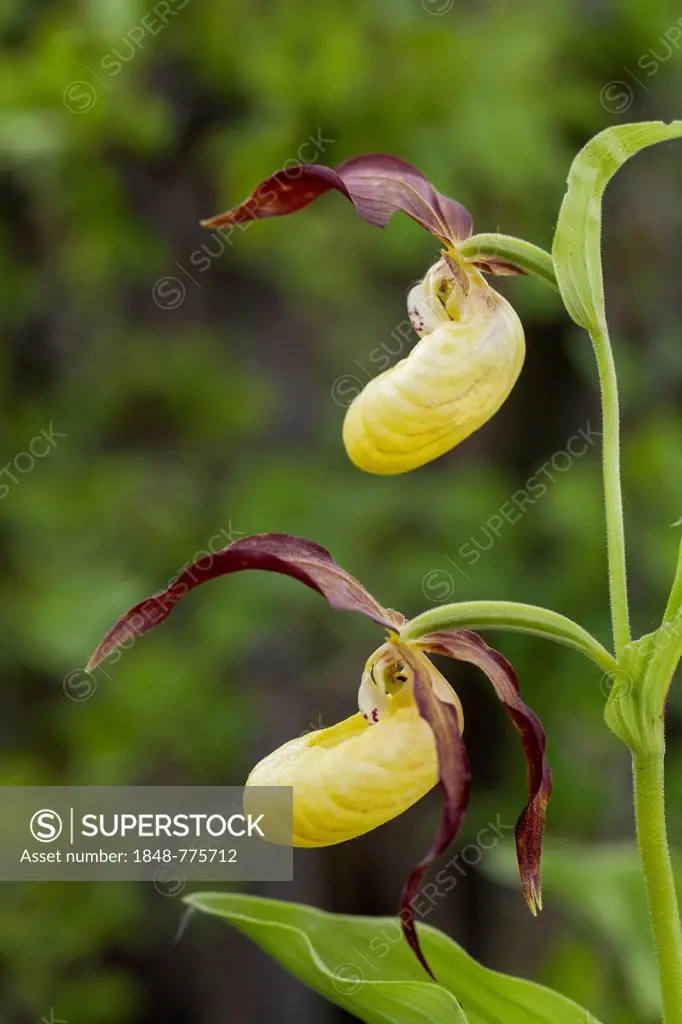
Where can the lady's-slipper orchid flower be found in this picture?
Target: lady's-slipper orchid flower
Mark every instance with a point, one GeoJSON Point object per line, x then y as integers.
{"type": "Point", "coordinates": [472, 344]}
{"type": "Point", "coordinates": [406, 735]}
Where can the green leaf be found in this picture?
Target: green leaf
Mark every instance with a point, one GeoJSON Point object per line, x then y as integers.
{"type": "Point", "coordinates": [674, 606]}
{"type": "Point", "coordinates": [364, 965]}
{"type": "Point", "coordinates": [577, 241]}
{"type": "Point", "coordinates": [603, 885]}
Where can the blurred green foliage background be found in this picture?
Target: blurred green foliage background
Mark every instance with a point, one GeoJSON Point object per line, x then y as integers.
{"type": "Point", "coordinates": [213, 403]}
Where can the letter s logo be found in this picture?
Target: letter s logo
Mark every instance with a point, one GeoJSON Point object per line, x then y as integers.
{"type": "Point", "coordinates": [46, 826]}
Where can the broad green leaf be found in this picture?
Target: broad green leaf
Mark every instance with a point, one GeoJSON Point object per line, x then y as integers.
{"type": "Point", "coordinates": [364, 965]}
{"type": "Point", "coordinates": [577, 240]}
{"type": "Point", "coordinates": [603, 884]}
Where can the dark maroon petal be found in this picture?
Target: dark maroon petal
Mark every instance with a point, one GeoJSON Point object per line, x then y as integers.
{"type": "Point", "coordinates": [285, 191]}
{"type": "Point", "coordinates": [377, 185]}
{"type": "Point", "coordinates": [455, 784]}
{"type": "Point", "coordinates": [273, 552]}
{"type": "Point", "coordinates": [468, 646]}
{"type": "Point", "coordinates": [387, 184]}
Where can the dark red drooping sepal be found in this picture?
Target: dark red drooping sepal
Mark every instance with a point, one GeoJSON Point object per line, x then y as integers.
{"type": "Point", "coordinates": [272, 552]}
{"type": "Point", "coordinates": [455, 784]}
{"type": "Point", "coordinates": [465, 645]}
{"type": "Point", "coordinates": [377, 185]}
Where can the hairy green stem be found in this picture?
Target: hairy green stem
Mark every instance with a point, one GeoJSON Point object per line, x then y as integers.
{"type": "Point", "coordinates": [529, 258]}
{"type": "Point", "coordinates": [659, 879]}
{"type": "Point", "coordinates": [648, 766]}
{"type": "Point", "coordinates": [514, 616]}
{"type": "Point", "coordinates": [613, 497]}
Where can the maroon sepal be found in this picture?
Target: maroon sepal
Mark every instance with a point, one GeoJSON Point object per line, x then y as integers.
{"type": "Point", "coordinates": [465, 645]}
{"type": "Point", "coordinates": [497, 266]}
{"type": "Point", "coordinates": [455, 784]}
{"type": "Point", "coordinates": [273, 552]}
{"type": "Point", "coordinates": [377, 185]}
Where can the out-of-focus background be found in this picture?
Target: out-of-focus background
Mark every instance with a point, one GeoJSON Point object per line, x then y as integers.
{"type": "Point", "coordinates": [193, 387]}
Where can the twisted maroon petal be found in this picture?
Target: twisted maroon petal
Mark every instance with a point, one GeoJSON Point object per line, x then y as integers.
{"type": "Point", "coordinates": [465, 645]}
{"type": "Point", "coordinates": [273, 552]}
{"type": "Point", "coordinates": [377, 185]}
{"type": "Point", "coordinates": [455, 784]}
